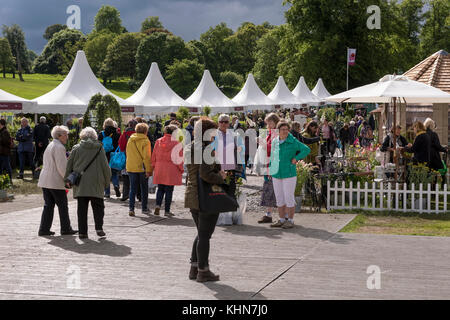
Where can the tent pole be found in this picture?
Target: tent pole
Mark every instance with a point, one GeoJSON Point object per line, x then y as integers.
{"type": "Point", "coordinates": [395, 139]}
{"type": "Point", "coordinates": [347, 68]}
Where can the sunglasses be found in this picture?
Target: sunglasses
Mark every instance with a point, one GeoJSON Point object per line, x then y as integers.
{"type": "Point", "coordinates": [224, 122]}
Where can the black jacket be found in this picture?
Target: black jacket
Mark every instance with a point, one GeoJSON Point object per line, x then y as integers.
{"type": "Point", "coordinates": [41, 134]}
{"type": "Point", "coordinates": [436, 148]}
{"type": "Point", "coordinates": [389, 143]}
{"type": "Point", "coordinates": [304, 140]}
{"type": "Point", "coordinates": [5, 142]}
{"type": "Point", "coordinates": [421, 149]}
{"type": "Point", "coordinates": [345, 135]}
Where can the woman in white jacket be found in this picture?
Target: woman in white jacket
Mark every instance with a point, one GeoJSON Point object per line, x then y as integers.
{"type": "Point", "coordinates": [51, 180]}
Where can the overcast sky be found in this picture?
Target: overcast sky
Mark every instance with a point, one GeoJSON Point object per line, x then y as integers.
{"type": "Point", "coordinates": [185, 18]}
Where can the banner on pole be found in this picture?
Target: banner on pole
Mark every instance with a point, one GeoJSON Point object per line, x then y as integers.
{"type": "Point", "coordinates": [351, 56]}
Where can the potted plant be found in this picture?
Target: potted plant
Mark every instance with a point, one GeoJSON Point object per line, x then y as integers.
{"type": "Point", "coordinates": [421, 174]}
{"type": "Point", "coordinates": [303, 174]}
{"type": "Point", "coordinates": [5, 184]}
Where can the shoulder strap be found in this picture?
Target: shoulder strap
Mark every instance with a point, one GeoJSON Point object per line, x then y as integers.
{"type": "Point", "coordinates": [93, 159]}
{"type": "Point", "coordinates": [135, 145]}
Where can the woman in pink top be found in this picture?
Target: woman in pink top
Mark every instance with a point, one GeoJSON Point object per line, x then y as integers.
{"type": "Point", "coordinates": [167, 161]}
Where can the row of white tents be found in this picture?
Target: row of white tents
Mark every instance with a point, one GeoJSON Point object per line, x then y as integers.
{"type": "Point", "coordinates": [155, 96]}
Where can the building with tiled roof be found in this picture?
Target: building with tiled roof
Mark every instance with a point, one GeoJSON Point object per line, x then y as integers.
{"type": "Point", "coordinates": [433, 71]}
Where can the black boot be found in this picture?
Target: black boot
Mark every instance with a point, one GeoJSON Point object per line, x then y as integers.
{"type": "Point", "coordinates": [126, 188]}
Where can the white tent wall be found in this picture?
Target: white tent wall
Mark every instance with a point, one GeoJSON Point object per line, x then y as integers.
{"type": "Point", "coordinates": [10, 103]}
{"type": "Point", "coordinates": [282, 96]}
{"type": "Point", "coordinates": [302, 92]}
{"type": "Point", "coordinates": [155, 96]}
{"type": "Point", "coordinates": [252, 98]}
{"type": "Point", "coordinates": [73, 94]}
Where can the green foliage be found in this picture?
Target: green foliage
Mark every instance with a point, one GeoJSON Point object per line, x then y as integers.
{"type": "Point", "coordinates": [267, 58]}
{"type": "Point", "coordinates": [183, 76]}
{"type": "Point", "coordinates": [51, 30]}
{"type": "Point", "coordinates": [230, 83]}
{"type": "Point", "coordinates": [329, 113]}
{"type": "Point", "coordinates": [16, 39]}
{"type": "Point", "coordinates": [6, 57]}
{"type": "Point", "coordinates": [421, 174]}
{"type": "Point", "coordinates": [121, 56]}
{"type": "Point", "coordinates": [161, 48]}
{"type": "Point", "coordinates": [108, 18]}
{"type": "Point", "coordinates": [435, 34]}
{"type": "Point", "coordinates": [183, 114]}
{"type": "Point", "coordinates": [96, 49]}
{"type": "Point", "coordinates": [100, 108]}
{"type": "Point", "coordinates": [60, 52]}
{"type": "Point", "coordinates": [206, 111]}
{"type": "Point", "coordinates": [303, 174]}
{"type": "Point", "coordinates": [151, 22]}
{"type": "Point", "coordinates": [5, 183]}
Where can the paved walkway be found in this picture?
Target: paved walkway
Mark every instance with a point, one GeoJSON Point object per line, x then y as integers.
{"type": "Point", "coordinates": [148, 258]}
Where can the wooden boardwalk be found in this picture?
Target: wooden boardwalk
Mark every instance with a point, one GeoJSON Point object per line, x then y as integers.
{"type": "Point", "coordinates": [148, 258]}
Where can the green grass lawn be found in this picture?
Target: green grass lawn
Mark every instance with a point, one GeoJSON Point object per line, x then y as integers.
{"type": "Point", "coordinates": [36, 85]}
{"type": "Point", "coordinates": [400, 224]}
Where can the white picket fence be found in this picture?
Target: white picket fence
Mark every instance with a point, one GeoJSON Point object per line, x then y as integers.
{"type": "Point", "coordinates": [400, 198]}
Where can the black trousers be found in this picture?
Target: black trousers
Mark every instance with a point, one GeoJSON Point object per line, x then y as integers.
{"type": "Point", "coordinates": [98, 207]}
{"type": "Point", "coordinates": [206, 224]}
{"type": "Point", "coordinates": [54, 197]}
{"type": "Point", "coordinates": [38, 158]}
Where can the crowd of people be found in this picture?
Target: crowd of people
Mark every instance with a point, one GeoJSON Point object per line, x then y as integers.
{"type": "Point", "coordinates": [167, 153]}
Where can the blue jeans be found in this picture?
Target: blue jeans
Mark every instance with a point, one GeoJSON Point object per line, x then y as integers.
{"type": "Point", "coordinates": [114, 180]}
{"type": "Point", "coordinates": [26, 157]}
{"type": "Point", "coordinates": [168, 191]}
{"type": "Point", "coordinates": [5, 165]}
{"type": "Point", "coordinates": [135, 179]}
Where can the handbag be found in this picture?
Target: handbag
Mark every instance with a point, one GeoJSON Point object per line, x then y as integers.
{"type": "Point", "coordinates": [214, 199]}
{"type": "Point", "coordinates": [74, 178]}
{"type": "Point", "coordinates": [118, 160]}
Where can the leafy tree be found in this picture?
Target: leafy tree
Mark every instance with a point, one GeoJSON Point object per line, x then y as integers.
{"type": "Point", "coordinates": [60, 52]}
{"type": "Point", "coordinates": [120, 59]}
{"type": "Point", "coordinates": [16, 39]}
{"type": "Point", "coordinates": [197, 50]}
{"type": "Point", "coordinates": [217, 58]}
{"type": "Point", "coordinates": [268, 58]}
{"type": "Point", "coordinates": [183, 76]}
{"type": "Point", "coordinates": [51, 30]}
{"type": "Point", "coordinates": [151, 23]}
{"type": "Point", "coordinates": [32, 56]}
{"type": "Point", "coordinates": [108, 18]}
{"type": "Point", "coordinates": [96, 49]}
{"type": "Point", "coordinates": [436, 30]}
{"type": "Point", "coordinates": [241, 47]}
{"type": "Point", "coordinates": [230, 83]}
{"type": "Point", "coordinates": [161, 48]}
{"type": "Point", "coordinates": [6, 57]}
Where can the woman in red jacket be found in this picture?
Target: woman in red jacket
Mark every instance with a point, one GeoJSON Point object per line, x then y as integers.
{"type": "Point", "coordinates": [167, 162]}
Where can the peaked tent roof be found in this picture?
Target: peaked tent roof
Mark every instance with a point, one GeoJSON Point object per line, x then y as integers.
{"type": "Point", "coordinates": [433, 71]}
{"type": "Point", "coordinates": [208, 94]}
{"type": "Point", "coordinates": [321, 92]}
{"type": "Point", "coordinates": [155, 95]}
{"type": "Point", "coordinates": [282, 95]}
{"type": "Point", "coordinates": [73, 94]}
{"type": "Point", "coordinates": [14, 104]}
{"type": "Point", "coordinates": [252, 97]}
{"type": "Point", "coordinates": [302, 91]}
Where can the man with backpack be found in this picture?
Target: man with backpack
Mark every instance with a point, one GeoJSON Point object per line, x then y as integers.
{"type": "Point", "coordinates": [6, 144]}
{"type": "Point", "coordinates": [110, 140]}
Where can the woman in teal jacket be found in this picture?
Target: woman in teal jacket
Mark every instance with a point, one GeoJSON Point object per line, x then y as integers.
{"type": "Point", "coordinates": [287, 151]}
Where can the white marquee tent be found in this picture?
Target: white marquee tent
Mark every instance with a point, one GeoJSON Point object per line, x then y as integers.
{"type": "Point", "coordinates": [155, 96]}
{"type": "Point", "coordinates": [208, 94]}
{"type": "Point", "coordinates": [73, 94]}
{"type": "Point", "coordinates": [283, 96]}
{"type": "Point", "coordinates": [321, 92]}
{"type": "Point", "coordinates": [15, 104]}
{"type": "Point", "coordinates": [302, 91]}
{"type": "Point", "coordinates": [252, 98]}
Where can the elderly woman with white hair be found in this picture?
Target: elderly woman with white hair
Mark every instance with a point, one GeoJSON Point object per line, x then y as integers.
{"type": "Point", "coordinates": [436, 147]}
{"type": "Point", "coordinates": [89, 158]}
{"type": "Point", "coordinates": [51, 180]}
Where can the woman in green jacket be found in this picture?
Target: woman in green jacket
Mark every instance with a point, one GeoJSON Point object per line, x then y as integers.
{"type": "Point", "coordinates": [287, 151]}
{"type": "Point", "coordinates": [93, 182]}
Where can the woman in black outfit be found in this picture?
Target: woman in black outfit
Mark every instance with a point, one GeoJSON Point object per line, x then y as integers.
{"type": "Point", "coordinates": [422, 145]}
{"type": "Point", "coordinates": [436, 147]}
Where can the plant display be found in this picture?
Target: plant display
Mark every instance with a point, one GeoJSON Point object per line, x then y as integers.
{"type": "Point", "coordinates": [5, 183]}
{"type": "Point", "coordinates": [421, 174]}
{"type": "Point", "coordinates": [303, 174]}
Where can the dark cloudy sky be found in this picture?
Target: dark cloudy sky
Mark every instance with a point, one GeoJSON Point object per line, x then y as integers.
{"type": "Point", "coordinates": [185, 18]}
